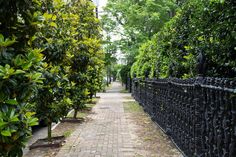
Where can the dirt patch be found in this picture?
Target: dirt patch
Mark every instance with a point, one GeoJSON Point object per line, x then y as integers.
{"type": "Point", "coordinates": [149, 139]}
{"type": "Point", "coordinates": [72, 120]}
{"type": "Point", "coordinates": [63, 129]}
{"type": "Point", "coordinates": [42, 143]}
{"type": "Point", "coordinates": [124, 91]}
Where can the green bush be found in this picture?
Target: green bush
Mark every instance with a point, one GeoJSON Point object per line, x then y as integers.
{"type": "Point", "coordinates": [205, 27]}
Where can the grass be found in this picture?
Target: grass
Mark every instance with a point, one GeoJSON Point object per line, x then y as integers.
{"type": "Point", "coordinates": [67, 133]}
{"type": "Point", "coordinates": [132, 106]}
{"type": "Point", "coordinates": [128, 98]}
{"type": "Point", "coordinates": [91, 105]}
{"type": "Point", "coordinates": [124, 91]}
{"type": "Point", "coordinates": [85, 112]}
{"type": "Point", "coordinates": [80, 114]}
{"type": "Point", "coordinates": [148, 138]}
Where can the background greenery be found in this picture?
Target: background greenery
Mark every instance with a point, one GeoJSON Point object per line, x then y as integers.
{"type": "Point", "coordinates": [165, 38]}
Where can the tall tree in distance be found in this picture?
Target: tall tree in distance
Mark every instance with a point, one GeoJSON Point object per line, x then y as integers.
{"type": "Point", "coordinates": [134, 22]}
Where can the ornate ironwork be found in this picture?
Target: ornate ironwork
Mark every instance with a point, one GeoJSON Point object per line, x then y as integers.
{"type": "Point", "coordinates": [198, 114]}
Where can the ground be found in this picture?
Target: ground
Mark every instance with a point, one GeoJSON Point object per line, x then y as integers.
{"type": "Point", "coordinates": [116, 127]}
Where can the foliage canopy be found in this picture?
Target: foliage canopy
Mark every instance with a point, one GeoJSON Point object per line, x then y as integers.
{"type": "Point", "coordinates": [199, 27]}
{"type": "Point", "coordinates": [50, 60]}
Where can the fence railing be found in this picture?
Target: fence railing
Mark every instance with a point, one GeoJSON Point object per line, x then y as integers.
{"type": "Point", "coordinates": [198, 114]}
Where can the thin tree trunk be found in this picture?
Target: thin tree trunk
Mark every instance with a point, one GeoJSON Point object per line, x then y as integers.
{"type": "Point", "coordinates": [75, 113]}
{"type": "Point", "coordinates": [107, 80]}
{"type": "Point", "coordinates": [49, 131]}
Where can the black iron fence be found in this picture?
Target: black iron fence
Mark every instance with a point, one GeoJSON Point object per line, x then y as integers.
{"type": "Point", "coordinates": [198, 114]}
{"type": "Point", "coordinates": [128, 85]}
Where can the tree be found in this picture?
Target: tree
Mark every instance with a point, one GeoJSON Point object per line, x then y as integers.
{"type": "Point", "coordinates": [55, 37]}
{"type": "Point", "coordinates": [86, 65]}
{"type": "Point", "coordinates": [138, 20]}
{"type": "Point", "coordinates": [19, 73]}
{"type": "Point", "coordinates": [41, 42]}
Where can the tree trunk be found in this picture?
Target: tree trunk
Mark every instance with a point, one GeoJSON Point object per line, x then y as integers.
{"type": "Point", "coordinates": [107, 80]}
{"type": "Point", "coordinates": [50, 131]}
{"type": "Point", "coordinates": [75, 113]}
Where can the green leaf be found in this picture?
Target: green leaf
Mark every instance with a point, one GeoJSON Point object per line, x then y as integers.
{"type": "Point", "coordinates": [12, 113]}
{"type": "Point", "coordinates": [11, 102]}
{"type": "Point", "coordinates": [26, 66]}
{"type": "Point", "coordinates": [6, 133]}
{"type": "Point", "coordinates": [7, 41]}
{"type": "Point", "coordinates": [33, 121]}
{"type": "Point", "coordinates": [36, 76]}
{"type": "Point", "coordinates": [54, 17]}
{"type": "Point", "coordinates": [2, 124]}
{"type": "Point", "coordinates": [29, 114]}
{"type": "Point", "coordinates": [47, 16]}
{"type": "Point", "coordinates": [222, 1]}
{"type": "Point", "coordinates": [1, 38]}
{"type": "Point", "coordinates": [200, 38]}
{"type": "Point", "coordinates": [15, 119]}
{"type": "Point", "coordinates": [53, 24]}
{"type": "Point", "coordinates": [19, 72]}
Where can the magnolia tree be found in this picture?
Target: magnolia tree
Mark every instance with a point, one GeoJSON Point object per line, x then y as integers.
{"type": "Point", "coordinates": [19, 73]}
{"type": "Point", "coordinates": [52, 101]}
{"type": "Point", "coordinates": [47, 52]}
{"type": "Point", "coordinates": [87, 55]}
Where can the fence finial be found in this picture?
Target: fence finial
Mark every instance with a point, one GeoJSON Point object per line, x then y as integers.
{"type": "Point", "coordinates": [201, 64]}
{"type": "Point", "coordinates": [171, 70]}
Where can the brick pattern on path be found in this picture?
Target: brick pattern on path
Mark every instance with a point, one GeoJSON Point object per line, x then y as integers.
{"type": "Point", "coordinates": [106, 134]}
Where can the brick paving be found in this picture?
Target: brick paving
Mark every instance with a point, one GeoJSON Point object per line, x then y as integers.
{"type": "Point", "coordinates": [106, 134]}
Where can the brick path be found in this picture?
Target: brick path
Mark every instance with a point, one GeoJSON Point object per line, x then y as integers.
{"type": "Point", "coordinates": [107, 134]}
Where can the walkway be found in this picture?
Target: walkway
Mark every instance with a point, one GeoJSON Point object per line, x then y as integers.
{"type": "Point", "coordinates": [109, 133]}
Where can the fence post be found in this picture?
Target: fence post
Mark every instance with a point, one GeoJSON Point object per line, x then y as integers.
{"type": "Point", "coordinates": [169, 101]}
{"type": "Point", "coordinates": [130, 84]}
{"type": "Point", "coordinates": [232, 145]}
{"type": "Point", "coordinates": [139, 91]}
{"type": "Point", "coordinates": [145, 94]}
{"type": "Point", "coordinates": [153, 100]}
{"type": "Point", "coordinates": [132, 88]}
{"type": "Point", "coordinates": [198, 119]}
